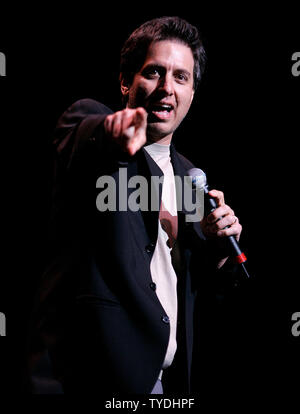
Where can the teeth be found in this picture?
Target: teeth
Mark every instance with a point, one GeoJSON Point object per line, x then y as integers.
{"type": "Point", "coordinates": [163, 108]}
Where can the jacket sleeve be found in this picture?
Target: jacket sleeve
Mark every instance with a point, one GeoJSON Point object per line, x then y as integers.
{"type": "Point", "coordinates": [80, 124]}
{"type": "Point", "coordinates": [81, 152]}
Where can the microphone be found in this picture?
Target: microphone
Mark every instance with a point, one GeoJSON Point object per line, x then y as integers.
{"type": "Point", "coordinates": [199, 181]}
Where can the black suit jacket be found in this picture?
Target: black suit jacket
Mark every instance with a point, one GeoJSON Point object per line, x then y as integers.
{"type": "Point", "coordinates": [97, 310]}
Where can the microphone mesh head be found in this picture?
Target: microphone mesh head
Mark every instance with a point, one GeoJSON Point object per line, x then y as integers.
{"type": "Point", "coordinates": [198, 177]}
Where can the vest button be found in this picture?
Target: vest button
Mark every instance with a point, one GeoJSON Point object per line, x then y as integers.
{"type": "Point", "coordinates": [165, 319]}
{"type": "Point", "coordinates": [150, 248]}
{"type": "Point", "coordinates": [153, 285]}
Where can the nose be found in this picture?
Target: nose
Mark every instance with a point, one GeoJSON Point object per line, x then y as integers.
{"type": "Point", "coordinates": [166, 84]}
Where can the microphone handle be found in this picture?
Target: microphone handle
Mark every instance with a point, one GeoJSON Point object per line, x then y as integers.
{"type": "Point", "coordinates": [211, 205]}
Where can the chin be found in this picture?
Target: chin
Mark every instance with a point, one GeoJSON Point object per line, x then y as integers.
{"type": "Point", "coordinates": [157, 131]}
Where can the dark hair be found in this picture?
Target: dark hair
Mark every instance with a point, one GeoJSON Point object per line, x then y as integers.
{"type": "Point", "coordinates": [135, 49]}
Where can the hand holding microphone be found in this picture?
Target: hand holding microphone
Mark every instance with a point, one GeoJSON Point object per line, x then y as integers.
{"type": "Point", "coordinates": [219, 220]}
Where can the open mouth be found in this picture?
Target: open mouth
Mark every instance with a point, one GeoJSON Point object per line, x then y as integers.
{"type": "Point", "coordinates": [162, 111]}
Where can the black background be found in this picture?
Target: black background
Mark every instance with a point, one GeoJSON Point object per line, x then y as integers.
{"type": "Point", "coordinates": [242, 131]}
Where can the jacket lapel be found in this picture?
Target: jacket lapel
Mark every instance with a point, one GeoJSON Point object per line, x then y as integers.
{"type": "Point", "coordinates": [149, 169]}
{"type": "Point", "coordinates": [145, 166]}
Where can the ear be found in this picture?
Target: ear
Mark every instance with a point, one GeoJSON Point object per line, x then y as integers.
{"type": "Point", "coordinates": [124, 85]}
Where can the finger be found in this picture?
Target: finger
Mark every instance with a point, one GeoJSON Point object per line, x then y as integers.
{"type": "Point", "coordinates": [132, 142]}
{"type": "Point", "coordinates": [116, 124]}
{"type": "Point", "coordinates": [136, 142]}
{"type": "Point", "coordinates": [234, 230]}
{"type": "Point", "coordinates": [132, 148]}
{"type": "Point", "coordinates": [127, 128]}
{"type": "Point", "coordinates": [127, 119]}
{"type": "Point", "coordinates": [108, 123]}
{"type": "Point", "coordinates": [141, 116]}
{"type": "Point", "coordinates": [220, 212]}
{"type": "Point", "coordinates": [138, 139]}
{"type": "Point", "coordinates": [224, 222]}
{"type": "Point", "coordinates": [218, 196]}
{"type": "Point", "coordinates": [136, 118]}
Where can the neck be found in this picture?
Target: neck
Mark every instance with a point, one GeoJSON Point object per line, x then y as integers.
{"type": "Point", "coordinates": [162, 141]}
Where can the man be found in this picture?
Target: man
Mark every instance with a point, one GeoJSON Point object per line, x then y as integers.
{"type": "Point", "coordinates": [116, 304]}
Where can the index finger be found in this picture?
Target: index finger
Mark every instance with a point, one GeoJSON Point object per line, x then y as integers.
{"type": "Point", "coordinates": [218, 196]}
{"type": "Point", "coordinates": [140, 116]}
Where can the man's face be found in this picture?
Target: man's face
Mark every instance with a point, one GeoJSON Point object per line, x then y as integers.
{"type": "Point", "coordinates": [164, 87]}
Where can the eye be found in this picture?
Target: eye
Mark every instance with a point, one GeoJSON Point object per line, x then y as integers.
{"type": "Point", "coordinates": [151, 73]}
{"type": "Point", "coordinates": [181, 77]}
